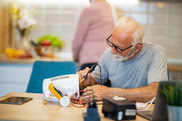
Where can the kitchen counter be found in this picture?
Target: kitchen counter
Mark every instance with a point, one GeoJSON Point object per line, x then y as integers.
{"type": "Point", "coordinates": [31, 60]}
{"type": "Point", "coordinates": [26, 61]}
{"type": "Point", "coordinates": [60, 56]}
{"type": "Point", "coordinates": [177, 68]}
{"type": "Point", "coordinates": [174, 64]}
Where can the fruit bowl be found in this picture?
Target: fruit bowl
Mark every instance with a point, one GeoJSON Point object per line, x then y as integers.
{"type": "Point", "coordinates": [46, 51]}
{"type": "Point", "coordinates": [47, 45]}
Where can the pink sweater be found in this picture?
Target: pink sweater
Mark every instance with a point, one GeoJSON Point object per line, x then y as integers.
{"type": "Point", "coordinates": [94, 26]}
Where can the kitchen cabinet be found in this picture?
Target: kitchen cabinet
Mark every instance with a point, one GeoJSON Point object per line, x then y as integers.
{"type": "Point", "coordinates": [14, 77]}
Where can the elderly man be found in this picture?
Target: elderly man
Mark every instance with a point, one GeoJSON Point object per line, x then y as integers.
{"type": "Point", "coordinates": [134, 67]}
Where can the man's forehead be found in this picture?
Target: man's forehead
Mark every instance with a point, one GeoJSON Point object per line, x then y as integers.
{"type": "Point", "coordinates": [122, 37]}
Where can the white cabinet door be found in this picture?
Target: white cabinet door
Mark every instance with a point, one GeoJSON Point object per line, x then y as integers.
{"type": "Point", "coordinates": [14, 77]}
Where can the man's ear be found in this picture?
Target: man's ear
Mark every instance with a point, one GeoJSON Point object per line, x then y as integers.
{"type": "Point", "coordinates": [138, 47]}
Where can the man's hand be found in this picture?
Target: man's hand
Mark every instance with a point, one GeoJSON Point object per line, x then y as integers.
{"type": "Point", "coordinates": [86, 82]}
{"type": "Point", "coordinates": [96, 91]}
{"type": "Point", "coordinates": [140, 94]}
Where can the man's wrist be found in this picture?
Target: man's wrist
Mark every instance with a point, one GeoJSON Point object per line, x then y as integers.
{"type": "Point", "coordinates": [116, 92]}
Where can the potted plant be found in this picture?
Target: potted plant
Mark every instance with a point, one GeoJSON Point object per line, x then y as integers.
{"type": "Point", "coordinates": [172, 93]}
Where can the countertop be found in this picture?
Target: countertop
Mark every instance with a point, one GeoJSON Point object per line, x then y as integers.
{"type": "Point", "coordinates": [31, 60]}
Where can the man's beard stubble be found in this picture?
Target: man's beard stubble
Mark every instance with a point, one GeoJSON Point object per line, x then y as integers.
{"type": "Point", "coordinates": [124, 58]}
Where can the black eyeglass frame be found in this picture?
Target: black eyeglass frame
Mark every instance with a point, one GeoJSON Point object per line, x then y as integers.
{"type": "Point", "coordinates": [119, 50]}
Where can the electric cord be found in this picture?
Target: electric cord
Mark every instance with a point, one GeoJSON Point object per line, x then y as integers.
{"type": "Point", "coordinates": [92, 92]}
{"type": "Point", "coordinates": [75, 102]}
{"type": "Point", "coordinates": [149, 102]}
{"type": "Point", "coordinates": [100, 73]}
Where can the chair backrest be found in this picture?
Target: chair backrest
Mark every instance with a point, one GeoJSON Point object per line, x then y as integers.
{"type": "Point", "coordinates": [48, 69]}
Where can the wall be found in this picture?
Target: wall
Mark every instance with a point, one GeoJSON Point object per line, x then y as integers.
{"type": "Point", "coordinates": [161, 20]}
{"type": "Point", "coordinates": [162, 23]}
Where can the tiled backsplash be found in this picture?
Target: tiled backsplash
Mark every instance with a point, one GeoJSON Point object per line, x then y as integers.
{"type": "Point", "coordinates": [162, 22]}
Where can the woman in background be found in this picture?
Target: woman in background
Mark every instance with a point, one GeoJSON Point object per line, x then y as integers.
{"type": "Point", "coordinates": [95, 25]}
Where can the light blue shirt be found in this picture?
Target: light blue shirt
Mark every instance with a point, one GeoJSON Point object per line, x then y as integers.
{"type": "Point", "coordinates": [150, 65]}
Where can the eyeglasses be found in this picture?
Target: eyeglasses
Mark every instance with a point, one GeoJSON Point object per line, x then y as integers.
{"type": "Point", "coordinates": [119, 50]}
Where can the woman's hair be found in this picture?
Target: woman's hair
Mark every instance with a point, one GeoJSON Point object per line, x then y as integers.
{"type": "Point", "coordinates": [128, 25]}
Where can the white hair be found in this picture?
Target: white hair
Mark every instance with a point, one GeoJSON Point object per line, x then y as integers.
{"type": "Point", "coordinates": [91, 1]}
{"type": "Point", "coordinates": [127, 24]}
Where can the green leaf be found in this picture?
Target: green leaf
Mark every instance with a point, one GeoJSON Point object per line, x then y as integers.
{"type": "Point", "coordinates": [55, 41]}
{"type": "Point", "coordinates": [172, 92]}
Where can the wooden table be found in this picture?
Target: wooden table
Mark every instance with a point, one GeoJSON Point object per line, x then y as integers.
{"type": "Point", "coordinates": [36, 111]}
